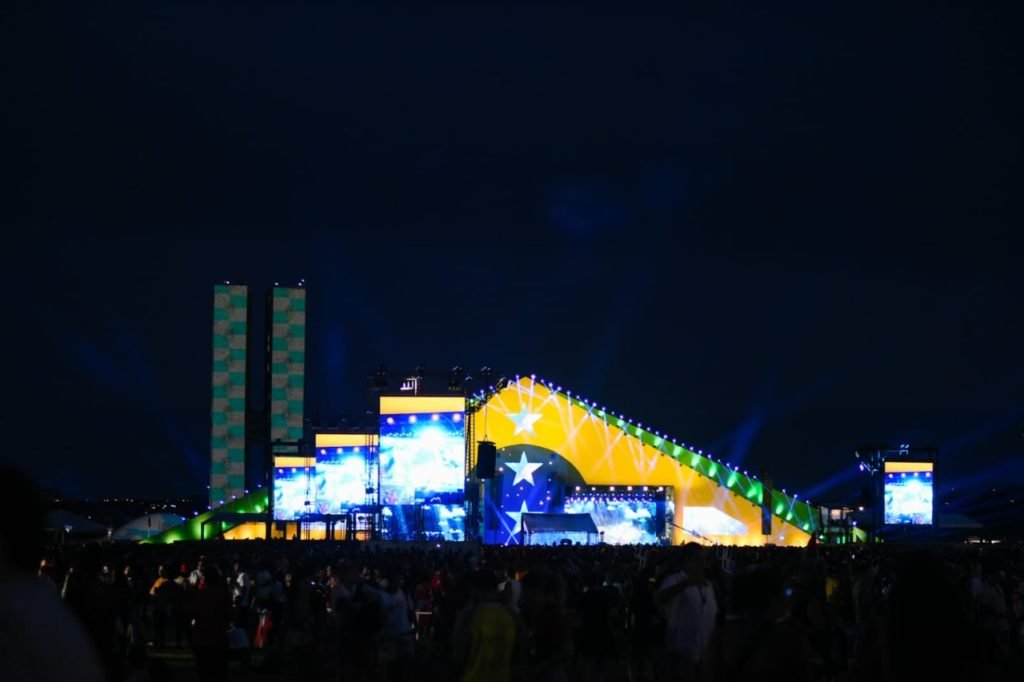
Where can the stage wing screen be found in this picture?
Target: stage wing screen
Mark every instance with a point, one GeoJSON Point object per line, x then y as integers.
{"type": "Point", "coordinates": [909, 494]}
{"type": "Point", "coordinates": [422, 450]}
{"type": "Point", "coordinates": [293, 486]}
{"type": "Point", "coordinates": [621, 522]}
{"type": "Point", "coordinates": [705, 521]}
{"type": "Point", "coordinates": [342, 479]}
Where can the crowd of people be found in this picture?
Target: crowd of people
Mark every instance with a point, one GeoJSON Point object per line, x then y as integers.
{"type": "Point", "coordinates": [402, 613]}
{"type": "Point", "coordinates": [425, 613]}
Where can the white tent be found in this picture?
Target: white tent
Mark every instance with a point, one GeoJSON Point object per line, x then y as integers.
{"type": "Point", "coordinates": [146, 526]}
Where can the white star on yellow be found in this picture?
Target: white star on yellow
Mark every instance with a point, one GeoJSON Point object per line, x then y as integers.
{"type": "Point", "coordinates": [517, 516]}
{"type": "Point", "coordinates": [524, 420]}
{"type": "Point", "coordinates": [524, 470]}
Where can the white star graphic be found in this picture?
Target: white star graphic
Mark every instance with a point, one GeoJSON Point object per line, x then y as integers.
{"type": "Point", "coordinates": [524, 470]}
{"type": "Point", "coordinates": [517, 516]}
{"type": "Point", "coordinates": [524, 421]}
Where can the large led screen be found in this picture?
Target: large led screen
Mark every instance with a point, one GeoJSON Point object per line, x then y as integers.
{"type": "Point", "coordinates": [342, 478]}
{"type": "Point", "coordinates": [909, 495]}
{"type": "Point", "coordinates": [293, 486]}
{"type": "Point", "coordinates": [422, 450]}
{"type": "Point", "coordinates": [620, 522]}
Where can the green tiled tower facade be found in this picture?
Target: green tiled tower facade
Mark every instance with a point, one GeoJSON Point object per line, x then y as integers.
{"type": "Point", "coordinates": [227, 433]}
{"type": "Point", "coordinates": [286, 365]}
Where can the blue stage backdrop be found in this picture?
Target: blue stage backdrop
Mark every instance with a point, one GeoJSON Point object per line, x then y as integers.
{"type": "Point", "coordinates": [527, 479]}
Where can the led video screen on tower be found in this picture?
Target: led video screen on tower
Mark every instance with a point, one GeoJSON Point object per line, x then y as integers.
{"type": "Point", "coordinates": [422, 450]}
{"type": "Point", "coordinates": [909, 494]}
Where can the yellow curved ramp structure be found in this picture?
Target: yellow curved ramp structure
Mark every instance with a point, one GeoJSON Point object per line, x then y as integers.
{"type": "Point", "coordinates": [529, 418]}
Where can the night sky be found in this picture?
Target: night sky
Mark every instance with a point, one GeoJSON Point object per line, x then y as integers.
{"type": "Point", "coordinates": [774, 234]}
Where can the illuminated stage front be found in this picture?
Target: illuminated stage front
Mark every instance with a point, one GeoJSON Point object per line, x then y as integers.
{"type": "Point", "coordinates": [415, 480]}
{"type": "Point", "coordinates": [556, 454]}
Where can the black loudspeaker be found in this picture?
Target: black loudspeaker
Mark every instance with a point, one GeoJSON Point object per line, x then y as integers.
{"type": "Point", "coordinates": [766, 503]}
{"type": "Point", "coordinates": [486, 456]}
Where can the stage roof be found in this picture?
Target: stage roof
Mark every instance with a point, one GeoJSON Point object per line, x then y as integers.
{"type": "Point", "coordinates": [559, 523]}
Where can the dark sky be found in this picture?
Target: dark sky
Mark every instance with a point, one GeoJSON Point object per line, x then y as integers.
{"type": "Point", "coordinates": [775, 234]}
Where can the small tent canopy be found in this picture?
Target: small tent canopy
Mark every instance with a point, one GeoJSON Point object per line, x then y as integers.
{"type": "Point", "coordinates": [146, 526]}
{"type": "Point", "coordinates": [62, 519]}
{"type": "Point", "coordinates": [546, 528]}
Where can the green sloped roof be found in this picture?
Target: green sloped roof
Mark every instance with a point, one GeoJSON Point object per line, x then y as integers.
{"type": "Point", "coordinates": [253, 503]}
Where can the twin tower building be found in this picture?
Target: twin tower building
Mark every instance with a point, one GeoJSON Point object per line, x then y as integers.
{"type": "Point", "coordinates": [240, 428]}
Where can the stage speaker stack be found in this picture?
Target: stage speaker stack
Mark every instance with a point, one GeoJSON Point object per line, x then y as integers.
{"type": "Point", "coordinates": [486, 457]}
{"type": "Point", "coordinates": [766, 504]}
